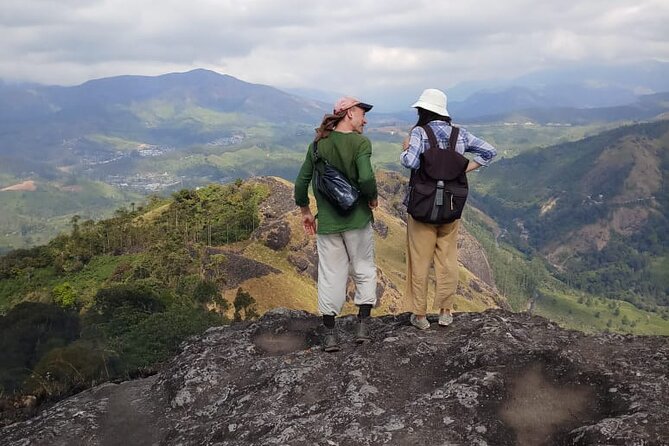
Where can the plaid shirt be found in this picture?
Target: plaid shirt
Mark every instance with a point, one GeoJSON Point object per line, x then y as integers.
{"type": "Point", "coordinates": [467, 142]}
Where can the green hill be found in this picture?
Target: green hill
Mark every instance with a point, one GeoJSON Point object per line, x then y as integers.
{"type": "Point", "coordinates": [113, 298]}
{"type": "Point", "coordinates": [531, 284]}
{"type": "Point", "coordinates": [597, 209]}
{"type": "Point", "coordinates": [34, 212]}
{"type": "Point", "coordinates": [125, 136]}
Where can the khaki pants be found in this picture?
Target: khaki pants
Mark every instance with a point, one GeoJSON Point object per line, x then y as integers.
{"type": "Point", "coordinates": [425, 243]}
{"type": "Point", "coordinates": [341, 254]}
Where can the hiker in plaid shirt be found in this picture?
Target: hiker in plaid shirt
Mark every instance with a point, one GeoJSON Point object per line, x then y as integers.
{"type": "Point", "coordinates": [428, 243]}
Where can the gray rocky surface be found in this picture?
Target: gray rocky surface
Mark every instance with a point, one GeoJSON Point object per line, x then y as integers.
{"type": "Point", "coordinates": [492, 378]}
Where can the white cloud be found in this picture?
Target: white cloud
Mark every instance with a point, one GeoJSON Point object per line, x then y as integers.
{"type": "Point", "coordinates": [567, 45]}
{"type": "Point", "coordinates": [366, 47]}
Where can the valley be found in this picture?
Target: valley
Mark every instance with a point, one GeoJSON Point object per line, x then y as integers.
{"type": "Point", "coordinates": [137, 211]}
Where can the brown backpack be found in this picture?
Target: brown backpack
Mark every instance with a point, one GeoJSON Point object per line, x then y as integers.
{"type": "Point", "coordinates": [438, 188]}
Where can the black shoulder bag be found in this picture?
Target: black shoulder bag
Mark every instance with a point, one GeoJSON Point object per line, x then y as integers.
{"type": "Point", "coordinates": [333, 184]}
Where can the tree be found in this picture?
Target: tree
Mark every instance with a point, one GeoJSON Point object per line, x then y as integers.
{"type": "Point", "coordinates": [159, 336]}
{"type": "Point", "coordinates": [205, 291]}
{"type": "Point", "coordinates": [246, 303]}
{"type": "Point", "coordinates": [118, 308]}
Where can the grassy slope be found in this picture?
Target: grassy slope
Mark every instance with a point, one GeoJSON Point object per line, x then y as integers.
{"type": "Point", "coordinates": [85, 282]}
{"type": "Point", "coordinates": [287, 289]}
{"type": "Point", "coordinates": [564, 168]}
{"type": "Point", "coordinates": [34, 218]}
{"type": "Point", "coordinates": [159, 113]}
{"type": "Point", "coordinates": [557, 302]}
{"type": "Point", "coordinates": [514, 140]}
{"type": "Point", "coordinates": [565, 309]}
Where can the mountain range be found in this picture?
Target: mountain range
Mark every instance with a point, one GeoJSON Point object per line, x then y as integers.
{"type": "Point", "coordinates": [89, 149]}
{"type": "Point", "coordinates": [596, 208]}
{"type": "Point", "coordinates": [184, 110]}
{"type": "Point", "coordinates": [522, 106]}
{"type": "Point", "coordinates": [579, 85]}
{"type": "Point", "coordinates": [177, 110]}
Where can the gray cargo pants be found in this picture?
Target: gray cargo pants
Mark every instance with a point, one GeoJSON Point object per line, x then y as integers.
{"type": "Point", "coordinates": [341, 254]}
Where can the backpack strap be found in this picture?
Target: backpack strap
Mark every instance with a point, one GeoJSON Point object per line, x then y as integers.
{"type": "Point", "coordinates": [452, 139]}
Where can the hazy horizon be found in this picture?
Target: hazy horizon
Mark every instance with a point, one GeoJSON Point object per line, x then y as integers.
{"type": "Point", "coordinates": [385, 53]}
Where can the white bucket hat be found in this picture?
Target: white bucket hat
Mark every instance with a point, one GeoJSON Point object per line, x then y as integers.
{"type": "Point", "coordinates": [433, 100]}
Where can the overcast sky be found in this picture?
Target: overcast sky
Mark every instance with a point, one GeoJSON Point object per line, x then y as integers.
{"type": "Point", "coordinates": [372, 49]}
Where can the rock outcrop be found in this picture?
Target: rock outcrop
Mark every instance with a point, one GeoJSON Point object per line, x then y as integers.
{"type": "Point", "coordinates": [492, 378]}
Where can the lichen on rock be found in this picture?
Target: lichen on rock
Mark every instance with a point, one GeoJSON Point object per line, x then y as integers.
{"type": "Point", "coordinates": [493, 378]}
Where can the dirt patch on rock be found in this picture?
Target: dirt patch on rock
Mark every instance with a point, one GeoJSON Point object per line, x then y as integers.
{"type": "Point", "coordinates": [283, 336]}
{"type": "Point", "coordinates": [538, 408]}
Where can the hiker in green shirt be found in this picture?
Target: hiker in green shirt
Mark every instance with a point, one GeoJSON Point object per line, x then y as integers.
{"type": "Point", "coordinates": [345, 242]}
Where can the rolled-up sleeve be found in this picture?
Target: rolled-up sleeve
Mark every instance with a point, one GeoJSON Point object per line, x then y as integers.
{"type": "Point", "coordinates": [410, 158]}
{"type": "Point", "coordinates": [483, 151]}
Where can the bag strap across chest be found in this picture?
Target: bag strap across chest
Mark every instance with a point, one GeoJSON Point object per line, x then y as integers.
{"type": "Point", "coordinates": [319, 161]}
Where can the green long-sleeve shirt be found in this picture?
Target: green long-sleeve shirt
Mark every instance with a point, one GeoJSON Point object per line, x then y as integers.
{"type": "Point", "coordinates": [350, 153]}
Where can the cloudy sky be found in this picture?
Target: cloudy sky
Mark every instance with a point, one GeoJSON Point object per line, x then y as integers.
{"type": "Point", "coordinates": [373, 49]}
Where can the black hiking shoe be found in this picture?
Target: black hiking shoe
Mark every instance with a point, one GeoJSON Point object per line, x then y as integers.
{"type": "Point", "coordinates": [362, 332]}
{"type": "Point", "coordinates": [330, 341]}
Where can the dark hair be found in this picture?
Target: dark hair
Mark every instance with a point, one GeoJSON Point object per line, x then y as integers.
{"type": "Point", "coordinates": [425, 116]}
{"type": "Point", "coordinates": [328, 124]}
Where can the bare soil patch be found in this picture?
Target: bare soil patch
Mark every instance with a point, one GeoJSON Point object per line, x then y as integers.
{"type": "Point", "coordinates": [26, 186]}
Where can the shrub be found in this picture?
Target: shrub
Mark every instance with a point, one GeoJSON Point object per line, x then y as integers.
{"type": "Point", "coordinates": [64, 295]}
{"type": "Point", "coordinates": [118, 308]}
{"type": "Point", "coordinates": [158, 337]}
{"type": "Point", "coordinates": [27, 333]}
{"type": "Point", "coordinates": [205, 291]}
{"type": "Point", "coordinates": [67, 369]}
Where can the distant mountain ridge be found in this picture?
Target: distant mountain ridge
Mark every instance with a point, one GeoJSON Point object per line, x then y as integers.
{"type": "Point", "coordinates": [577, 86]}
{"type": "Point", "coordinates": [206, 88]}
{"type": "Point", "coordinates": [147, 134]}
{"type": "Point", "coordinates": [178, 109]}
{"type": "Point", "coordinates": [47, 131]}
{"type": "Point", "coordinates": [645, 107]}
